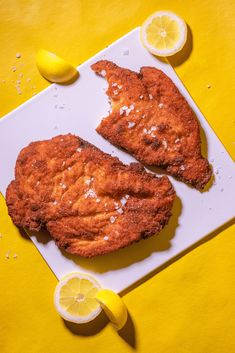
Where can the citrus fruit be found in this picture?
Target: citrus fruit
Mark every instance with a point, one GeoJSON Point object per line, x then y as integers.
{"type": "Point", "coordinates": [74, 298]}
{"type": "Point", "coordinates": [113, 306]}
{"type": "Point", "coordinates": [54, 68]}
{"type": "Point", "coordinates": [164, 33]}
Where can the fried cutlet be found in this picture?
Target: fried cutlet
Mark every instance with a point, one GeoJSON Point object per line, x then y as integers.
{"type": "Point", "coordinates": [153, 121]}
{"type": "Point", "coordinates": [90, 202]}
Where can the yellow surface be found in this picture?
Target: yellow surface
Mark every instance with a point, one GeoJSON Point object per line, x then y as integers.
{"type": "Point", "coordinates": [189, 306]}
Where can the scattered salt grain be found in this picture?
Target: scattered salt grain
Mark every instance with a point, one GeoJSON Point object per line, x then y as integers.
{"type": "Point", "coordinates": [123, 201]}
{"type": "Point", "coordinates": [88, 182]}
{"type": "Point", "coordinates": [141, 97]}
{"type": "Point", "coordinates": [69, 168]}
{"type": "Point", "coordinates": [38, 182]}
{"type": "Point", "coordinates": [97, 200]}
{"type": "Point", "coordinates": [79, 149]}
{"type": "Point", "coordinates": [182, 167]}
{"type": "Point", "coordinates": [125, 51]}
{"type": "Point", "coordinates": [116, 205]}
{"type": "Point", "coordinates": [164, 143]}
{"type": "Point", "coordinates": [114, 84]}
{"type": "Point", "coordinates": [150, 96]}
{"type": "Point", "coordinates": [106, 237]}
{"type": "Point", "coordinates": [55, 203]}
{"type": "Point", "coordinates": [119, 86]}
{"type": "Point", "coordinates": [131, 124]}
{"type": "Point", "coordinates": [160, 105]}
{"type": "Point", "coordinates": [145, 131]}
{"type": "Point", "coordinates": [112, 219]}
{"type": "Point", "coordinates": [115, 92]}
{"type": "Point", "coordinates": [177, 140]}
{"type": "Point", "coordinates": [120, 210]}
{"type": "Point", "coordinates": [90, 193]}
{"type": "Point", "coordinates": [103, 73]}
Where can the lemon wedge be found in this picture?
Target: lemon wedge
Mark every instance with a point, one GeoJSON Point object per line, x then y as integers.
{"type": "Point", "coordinates": [164, 33]}
{"type": "Point", "coordinates": [54, 68]}
{"type": "Point", "coordinates": [74, 298]}
{"type": "Point", "coordinates": [113, 306]}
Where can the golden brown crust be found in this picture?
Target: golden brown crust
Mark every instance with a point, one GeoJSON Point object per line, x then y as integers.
{"type": "Point", "coordinates": [90, 202]}
{"type": "Point", "coordinates": [153, 121]}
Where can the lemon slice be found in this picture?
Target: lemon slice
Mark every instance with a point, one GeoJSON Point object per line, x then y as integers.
{"type": "Point", "coordinates": [113, 306]}
{"type": "Point", "coordinates": [74, 298]}
{"type": "Point", "coordinates": [54, 68]}
{"type": "Point", "coordinates": [164, 33]}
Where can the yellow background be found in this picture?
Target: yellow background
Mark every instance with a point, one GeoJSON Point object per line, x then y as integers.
{"type": "Point", "coordinates": [187, 307]}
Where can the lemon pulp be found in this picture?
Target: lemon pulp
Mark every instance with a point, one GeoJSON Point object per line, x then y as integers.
{"type": "Point", "coordinates": [75, 298]}
{"type": "Point", "coordinates": [164, 33]}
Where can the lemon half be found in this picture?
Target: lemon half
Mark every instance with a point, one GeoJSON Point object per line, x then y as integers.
{"type": "Point", "coordinates": [164, 33]}
{"type": "Point", "coordinates": [54, 68]}
{"type": "Point", "coordinates": [113, 306]}
{"type": "Point", "coordinates": [74, 298]}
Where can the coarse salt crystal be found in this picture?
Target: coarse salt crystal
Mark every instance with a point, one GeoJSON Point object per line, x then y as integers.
{"type": "Point", "coordinates": [63, 186]}
{"type": "Point", "coordinates": [106, 237]}
{"type": "Point", "coordinates": [55, 203]}
{"type": "Point", "coordinates": [69, 168]}
{"type": "Point", "coordinates": [103, 73]}
{"type": "Point", "coordinates": [160, 105]}
{"type": "Point", "coordinates": [120, 210]}
{"type": "Point", "coordinates": [122, 109]}
{"type": "Point", "coordinates": [88, 182]}
{"type": "Point", "coordinates": [70, 202]}
{"type": "Point", "coordinates": [112, 219]}
{"type": "Point", "coordinates": [125, 51]}
{"type": "Point", "coordinates": [115, 92]}
{"type": "Point", "coordinates": [79, 149]}
{"type": "Point", "coordinates": [119, 86]}
{"type": "Point", "coordinates": [123, 201]}
{"type": "Point", "coordinates": [116, 205]}
{"type": "Point", "coordinates": [164, 143]}
{"type": "Point", "coordinates": [182, 167]}
{"type": "Point", "coordinates": [97, 200]}
{"type": "Point", "coordinates": [145, 131]}
{"type": "Point", "coordinates": [131, 124]}
{"type": "Point", "coordinates": [177, 140]}
{"type": "Point", "coordinates": [90, 193]}
{"type": "Point", "coordinates": [114, 84]}
{"type": "Point", "coordinates": [141, 97]}
{"type": "Point", "coordinates": [150, 96]}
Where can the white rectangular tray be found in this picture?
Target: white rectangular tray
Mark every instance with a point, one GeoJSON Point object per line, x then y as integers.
{"type": "Point", "coordinates": [78, 108]}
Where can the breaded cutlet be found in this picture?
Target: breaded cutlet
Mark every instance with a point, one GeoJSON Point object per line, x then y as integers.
{"type": "Point", "coordinates": [90, 202]}
{"type": "Point", "coordinates": [153, 121]}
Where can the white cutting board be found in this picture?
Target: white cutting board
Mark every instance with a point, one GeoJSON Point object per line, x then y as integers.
{"type": "Point", "coordinates": [78, 108]}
